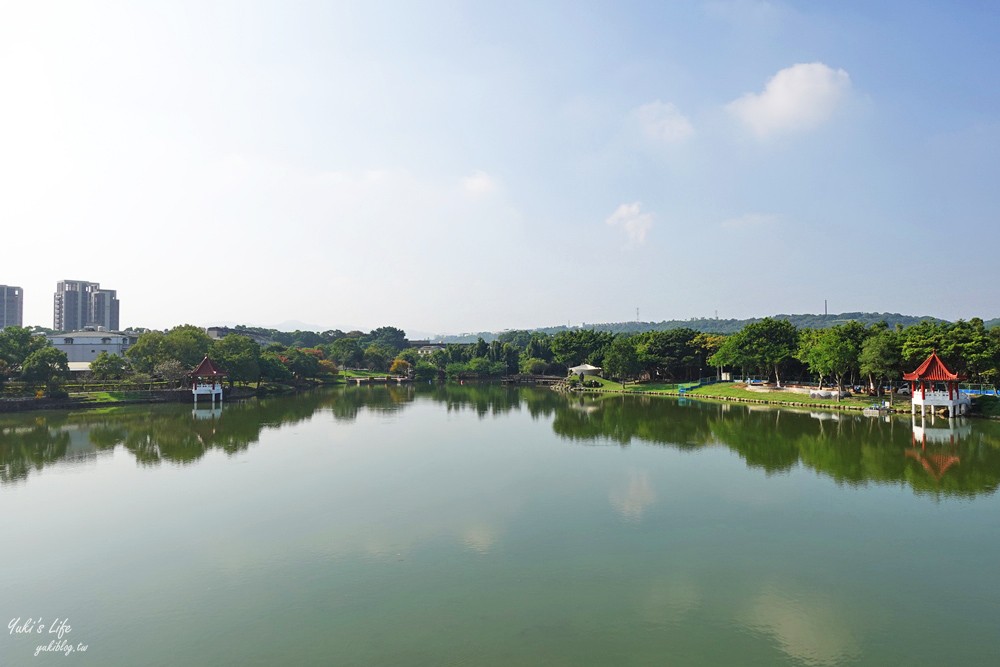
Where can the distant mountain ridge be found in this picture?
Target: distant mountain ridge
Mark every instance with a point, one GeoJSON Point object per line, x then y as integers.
{"type": "Point", "coordinates": [717, 326]}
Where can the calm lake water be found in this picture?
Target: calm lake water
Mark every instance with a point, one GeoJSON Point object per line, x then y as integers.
{"type": "Point", "coordinates": [476, 526]}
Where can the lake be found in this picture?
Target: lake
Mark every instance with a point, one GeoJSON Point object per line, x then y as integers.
{"type": "Point", "coordinates": [486, 525]}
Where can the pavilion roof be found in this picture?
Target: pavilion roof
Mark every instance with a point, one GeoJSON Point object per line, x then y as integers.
{"type": "Point", "coordinates": [932, 370]}
{"type": "Point", "coordinates": [206, 369]}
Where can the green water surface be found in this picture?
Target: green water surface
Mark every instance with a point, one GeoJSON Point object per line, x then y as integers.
{"type": "Point", "coordinates": [463, 525]}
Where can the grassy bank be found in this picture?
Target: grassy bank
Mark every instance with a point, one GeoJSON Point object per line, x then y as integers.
{"type": "Point", "coordinates": [725, 391]}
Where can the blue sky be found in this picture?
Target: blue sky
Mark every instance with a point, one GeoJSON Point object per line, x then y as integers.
{"type": "Point", "coordinates": [451, 167]}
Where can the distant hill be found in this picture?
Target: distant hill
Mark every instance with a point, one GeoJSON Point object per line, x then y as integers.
{"type": "Point", "coordinates": [714, 325]}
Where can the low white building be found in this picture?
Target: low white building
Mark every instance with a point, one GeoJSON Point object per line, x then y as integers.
{"type": "Point", "coordinates": [84, 346]}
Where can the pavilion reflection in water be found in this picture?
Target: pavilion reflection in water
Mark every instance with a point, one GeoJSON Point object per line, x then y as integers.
{"type": "Point", "coordinates": [934, 443]}
{"type": "Point", "coordinates": [212, 412]}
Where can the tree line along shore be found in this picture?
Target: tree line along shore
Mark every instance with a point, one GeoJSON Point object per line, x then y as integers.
{"type": "Point", "coordinates": [847, 354]}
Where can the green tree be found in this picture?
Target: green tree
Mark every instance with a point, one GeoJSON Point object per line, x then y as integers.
{"type": "Point", "coordinates": [300, 364]}
{"type": "Point", "coordinates": [187, 344]}
{"type": "Point", "coordinates": [733, 353]}
{"type": "Point", "coordinates": [539, 346]}
{"type": "Point", "coordinates": [810, 353]}
{"type": "Point", "coordinates": [306, 339]}
{"type": "Point", "coordinates": [239, 356]}
{"type": "Point", "coordinates": [533, 366]}
{"type": "Point", "coordinates": [519, 338]}
{"type": "Point", "coordinates": [409, 355]}
{"type": "Point", "coordinates": [425, 371]}
{"type": "Point", "coordinates": [764, 346]}
{"type": "Point", "coordinates": [574, 347]}
{"type": "Point", "coordinates": [148, 351]}
{"type": "Point", "coordinates": [992, 373]}
{"type": "Point", "coordinates": [16, 345]}
{"type": "Point", "coordinates": [707, 345]}
{"type": "Point", "coordinates": [456, 369]}
{"type": "Point", "coordinates": [880, 358]}
{"type": "Point", "coordinates": [378, 357]}
{"type": "Point", "coordinates": [969, 347]}
{"type": "Point", "coordinates": [838, 349]}
{"type": "Point", "coordinates": [347, 352]}
{"type": "Point", "coordinates": [483, 367]}
{"type": "Point", "coordinates": [833, 351]}
{"type": "Point", "coordinates": [455, 353]}
{"type": "Point", "coordinates": [388, 337]}
{"type": "Point", "coordinates": [774, 342]}
{"type": "Point", "coordinates": [272, 368]}
{"type": "Point", "coordinates": [46, 366]}
{"type": "Point", "coordinates": [919, 340]}
{"type": "Point", "coordinates": [109, 367]}
{"type": "Point", "coordinates": [672, 353]}
{"type": "Point", "coordinates": [622, 360]}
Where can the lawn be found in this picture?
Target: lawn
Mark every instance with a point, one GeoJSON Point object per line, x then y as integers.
{"type": "Point", "coordinates": [731, 391]}
{"type": "Point", "coordinates": [352, 373]}
{"type": "Point", "coordinates": [99, 396]}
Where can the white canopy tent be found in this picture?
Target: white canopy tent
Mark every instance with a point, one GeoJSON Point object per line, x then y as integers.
{"type": "Point", "coordinates": [585, 369]}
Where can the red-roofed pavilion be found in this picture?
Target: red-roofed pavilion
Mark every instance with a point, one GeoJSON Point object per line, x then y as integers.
{"type": "Point", "coordinates": [932, 384]}
{"type": "Point", "coordinates": [207, 380]}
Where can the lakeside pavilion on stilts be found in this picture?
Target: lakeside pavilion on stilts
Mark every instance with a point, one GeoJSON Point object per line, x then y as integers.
{"type": "Point", "coordinates": [933, 385]}
{"type": "Point", "coordinates": [207, 380]}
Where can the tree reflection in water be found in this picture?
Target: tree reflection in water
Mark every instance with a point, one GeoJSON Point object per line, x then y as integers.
{"type": "Point", "coordinates": [939, 458]}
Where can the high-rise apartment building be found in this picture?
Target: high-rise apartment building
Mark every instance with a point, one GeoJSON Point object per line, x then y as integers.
{"type": "Point", "coordinates": [11, 306]}
{"type": "Point", "coordinates": [80, 304]}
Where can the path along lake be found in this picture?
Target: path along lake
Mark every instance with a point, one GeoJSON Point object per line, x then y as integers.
{"type": "Point", "coordinates": [465, 525]}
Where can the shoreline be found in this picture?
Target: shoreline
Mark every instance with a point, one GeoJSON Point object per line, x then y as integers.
{"type": "Point", "coordinates": [152, 397]}
{"type": "Point", "coordinates": [32, 404]}
{"type": "Point", "coordinates": [834, 407]}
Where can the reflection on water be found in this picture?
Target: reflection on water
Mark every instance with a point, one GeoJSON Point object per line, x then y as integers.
{"type": "Point", "coordinates": [490, 525]}
{"type": "Point", "coordinates": [808, 628]}
{"type": "Point", "coordinates": [932, 456]}
{"type": "Point", "coordinates": [631, 499]}
{"type": "Point", "coordinates": [480, 537]}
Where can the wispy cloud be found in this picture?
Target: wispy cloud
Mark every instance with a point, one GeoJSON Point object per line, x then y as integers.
{"type": "Point", "coordinates": [633, 220]}
{"type": "Point", "coordinates": [479, 183]}
{"type": "Point", "coordinates": [750, 220]}
{"type": "Point", "coordinates": [797, 98]}
{"type": "Point", "coordinates": [663, 122]}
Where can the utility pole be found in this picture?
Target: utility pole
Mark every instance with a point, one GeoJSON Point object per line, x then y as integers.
{"type": "Point", "coordinates": [824, 308]}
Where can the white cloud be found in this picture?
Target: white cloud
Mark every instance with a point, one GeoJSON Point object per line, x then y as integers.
{"type": "Point", "coordinates": [663, 122]}
{"type": "Point", "coordinates": [631, 218]}
{"type": "Point", "coordinates": [799, 97]}
{"type": "Point", "coordinates": [479, 184]}
{"type": "Point", "coordinates": [750, 220]}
